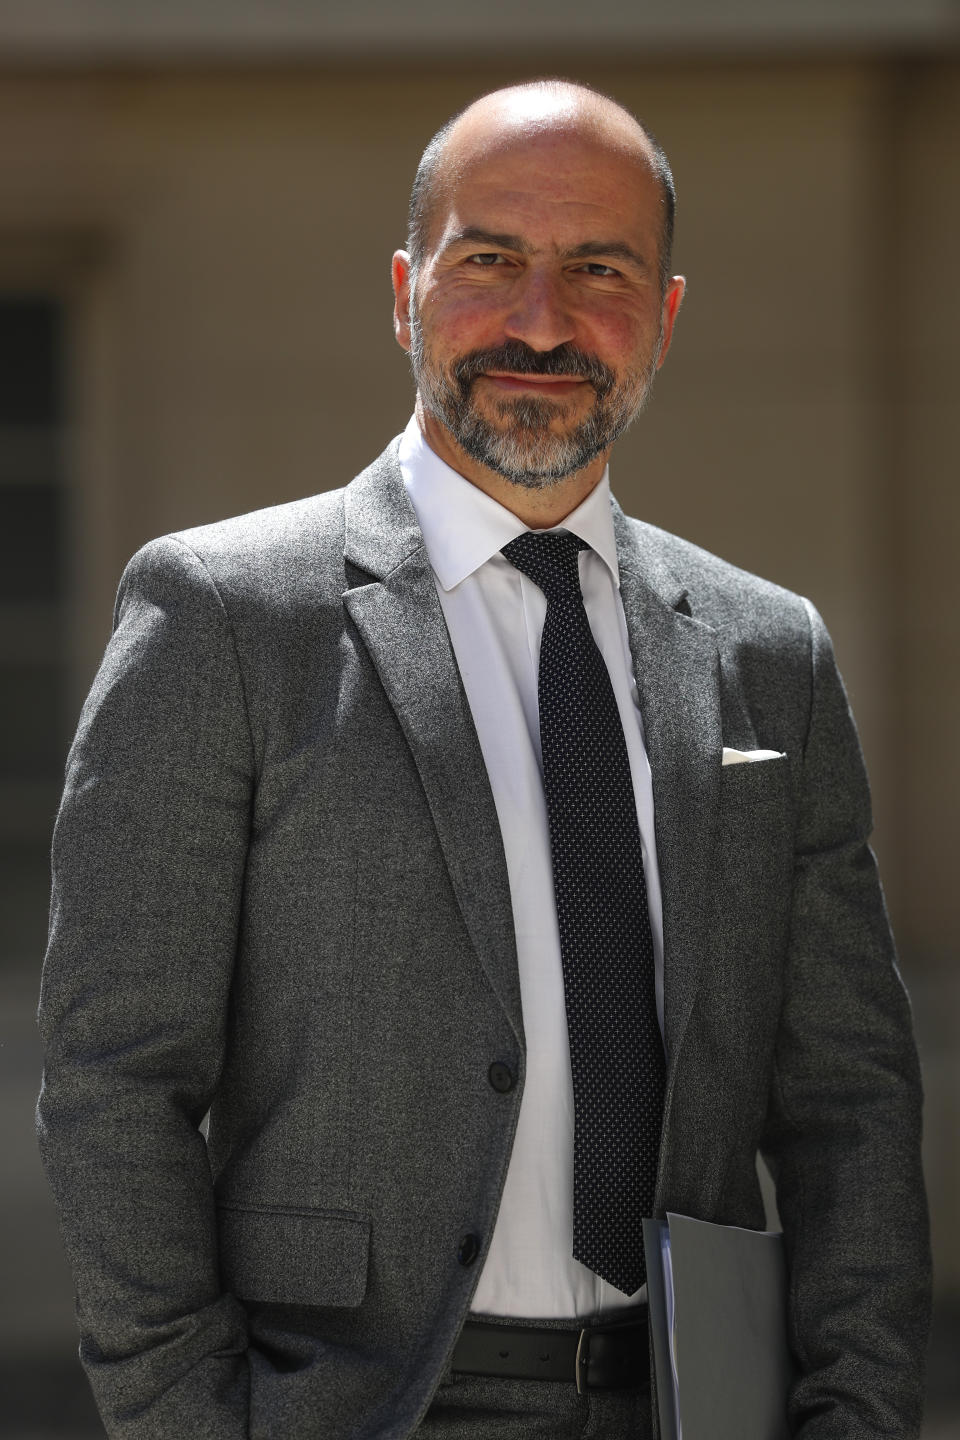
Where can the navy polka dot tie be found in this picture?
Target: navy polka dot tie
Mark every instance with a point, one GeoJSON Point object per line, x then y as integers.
{"type": "Point", "coordinates": [606, 947]}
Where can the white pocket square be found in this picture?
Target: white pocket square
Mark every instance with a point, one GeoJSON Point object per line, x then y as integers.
{"type": "Point", "coordinates": [745, 757]}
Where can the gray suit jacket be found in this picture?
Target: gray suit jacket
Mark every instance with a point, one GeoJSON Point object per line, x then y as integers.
{"type": "Point", "coordinates": [280, 896]}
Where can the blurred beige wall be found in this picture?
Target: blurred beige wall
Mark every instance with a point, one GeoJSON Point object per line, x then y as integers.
{"type": "Point", "coordinates": [223, 240]}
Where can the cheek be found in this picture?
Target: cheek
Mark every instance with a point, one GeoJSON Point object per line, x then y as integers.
{"type": "Point", "coordinates": [454, 324]}
{"type": "Point", "coordinates": [619, 338]}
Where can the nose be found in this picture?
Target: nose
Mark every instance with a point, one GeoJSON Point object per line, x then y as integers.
{"type": "Point", "coordinates": [539, 314]}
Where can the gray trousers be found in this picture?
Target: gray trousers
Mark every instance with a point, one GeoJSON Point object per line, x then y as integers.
{"type": "Point", "coordinates": [481, 1407]}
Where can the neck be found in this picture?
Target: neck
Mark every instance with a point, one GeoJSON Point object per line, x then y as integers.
{"type": "Point", "coordinates": [537, 508]}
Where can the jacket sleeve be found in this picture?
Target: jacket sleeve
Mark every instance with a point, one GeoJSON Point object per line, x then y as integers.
{"type": "Point", "coordinates": [149, 854]}
{"type": "Point", "coordinates": [843, 1133]}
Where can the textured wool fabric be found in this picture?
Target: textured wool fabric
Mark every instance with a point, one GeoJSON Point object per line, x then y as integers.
{"type": "Point", "coordinates": [616, 1053]}
{"type": "Point", "coordinates": [280, 895]}
{"type": "Point", "coordinates": [479, 1407]}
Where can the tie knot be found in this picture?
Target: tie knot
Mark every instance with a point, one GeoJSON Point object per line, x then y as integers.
{"type": "Point", "coordinates": [549, 559]}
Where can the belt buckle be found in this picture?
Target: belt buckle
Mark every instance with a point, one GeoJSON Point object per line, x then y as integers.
{"type": "Point", "coordinates": [582, 1361]}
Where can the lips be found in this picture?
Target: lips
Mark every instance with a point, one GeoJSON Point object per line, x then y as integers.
{"type": "Point", "coordinates": [556, 385]}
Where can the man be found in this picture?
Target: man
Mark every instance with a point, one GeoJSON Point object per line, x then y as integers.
{"type": "Point", "coordinates": [493, 869]}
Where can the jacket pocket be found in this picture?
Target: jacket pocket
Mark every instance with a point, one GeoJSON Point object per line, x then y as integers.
{"type": "Point", "coordinates": [754, 864]}
{"type": "Point", "coordinates": [760, 783]}
{"type": "Point", "coordinates": [292, 1256]}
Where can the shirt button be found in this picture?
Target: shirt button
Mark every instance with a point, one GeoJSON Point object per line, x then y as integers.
{"type": "Point", "coordinates": [500, 1077]}
{"type": "Point", "coordinates": [469, 1249]}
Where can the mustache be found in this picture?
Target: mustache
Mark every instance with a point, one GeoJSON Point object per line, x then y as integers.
{"type": "Point", "coordinates": [520, 359]}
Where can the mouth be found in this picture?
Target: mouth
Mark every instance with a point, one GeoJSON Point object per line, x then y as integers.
{"type": "Point", "coordinates": [556, 386]}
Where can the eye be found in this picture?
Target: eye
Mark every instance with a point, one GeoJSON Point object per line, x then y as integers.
{"type": "Point", "coordinates": [486, 259]}
{"type": "Point", "coordinates": [595, 267]}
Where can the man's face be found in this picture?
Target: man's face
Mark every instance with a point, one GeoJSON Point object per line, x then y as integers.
{"type": "Point", "coordinates": [536, 323]}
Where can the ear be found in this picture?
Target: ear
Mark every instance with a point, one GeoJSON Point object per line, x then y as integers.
{"type": "Point", "coordinates": [676, 286]}
{"type": "Point", "coordinates": [400, 271]}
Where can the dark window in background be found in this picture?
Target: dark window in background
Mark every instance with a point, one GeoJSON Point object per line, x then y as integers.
{"type": "Point", "coordinates": [32, 513]}
{"type": "Point", "coordinates": [42, 1391]}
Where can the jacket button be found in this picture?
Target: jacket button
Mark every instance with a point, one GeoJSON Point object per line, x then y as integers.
{"type": "Point", "coordinates": [469, 1249]}
{"type": "Point", "coordinates": [500, 1077]}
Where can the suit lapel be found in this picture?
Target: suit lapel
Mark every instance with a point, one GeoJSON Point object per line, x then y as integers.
{"type": "Point", "coordinates": [676, 664]}
{"type": "Point", "coordinates": [394, 606]}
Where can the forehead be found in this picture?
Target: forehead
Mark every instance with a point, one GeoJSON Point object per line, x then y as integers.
{"type": "Point", "coordinates": [551, 187]}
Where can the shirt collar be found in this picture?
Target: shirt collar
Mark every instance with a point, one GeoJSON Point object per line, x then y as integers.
{"type": "Point", "coordinates": [463, 527]}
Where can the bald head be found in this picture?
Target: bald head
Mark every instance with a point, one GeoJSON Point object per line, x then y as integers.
{"type": "Point", "coordinates": [523, 114]}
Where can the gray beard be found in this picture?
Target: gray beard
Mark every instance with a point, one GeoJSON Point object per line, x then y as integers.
{"type": "Point", "coordinates": [526, 451]}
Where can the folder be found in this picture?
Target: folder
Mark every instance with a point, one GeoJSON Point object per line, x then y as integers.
{"type": "Point", "coordinates": [718, 1319]}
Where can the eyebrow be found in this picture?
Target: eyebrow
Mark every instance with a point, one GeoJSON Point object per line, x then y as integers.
{"type": "Point", "coordinates": [607, 249]}
{"type": "Point", "coordinates": [590, 249]}
{"type": "Point", "coordinates": [474, 235]}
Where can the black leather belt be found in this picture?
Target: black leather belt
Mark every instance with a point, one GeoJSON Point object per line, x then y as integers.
{"type": "Point", "coordinates": [598, 1357]}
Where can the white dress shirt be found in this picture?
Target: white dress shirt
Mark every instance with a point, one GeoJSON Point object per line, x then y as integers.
{"type": "Point", "coordinates": [494, 616]}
